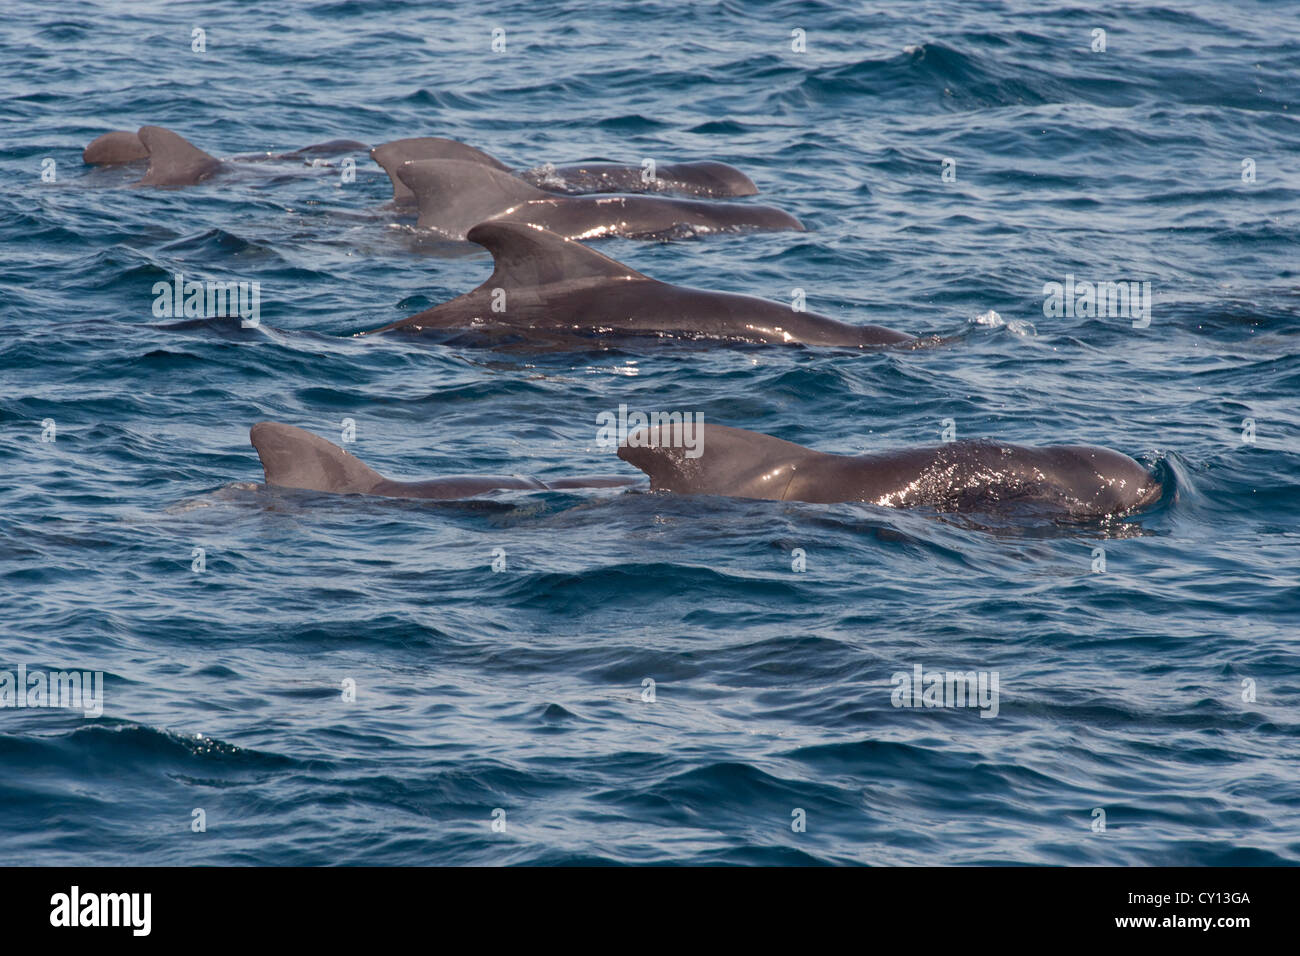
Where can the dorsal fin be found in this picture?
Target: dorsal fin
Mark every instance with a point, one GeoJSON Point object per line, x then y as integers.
{"type": "Point", "coordinates": [526, 256]}
{"type": "Point", "coordinates": [392, 155]}
{"type": "Point", "coordinates": [731, 461]}
{"type": "Point", "coordinates": [294, 458]}
{"type": "Point", "coordinates": [454, 195]}
{"type": "Point", "coordinates": [174, 160]}
{"type": "Point", "coordinates": [114, 148]}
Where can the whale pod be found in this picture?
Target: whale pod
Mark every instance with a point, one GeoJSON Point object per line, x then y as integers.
{"type": "Point", "coordinates": [703, 179]}
{"type": "Point", "coordinates": [453, 196]}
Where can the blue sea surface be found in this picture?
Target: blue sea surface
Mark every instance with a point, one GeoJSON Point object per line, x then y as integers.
{"type": "Point", "coordinates": [649, 679]}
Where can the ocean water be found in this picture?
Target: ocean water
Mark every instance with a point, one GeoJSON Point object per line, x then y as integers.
{"type": "Point", "coordinates": [1148, 671]}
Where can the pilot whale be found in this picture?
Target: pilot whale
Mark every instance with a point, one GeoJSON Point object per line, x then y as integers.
{"type": "Point", "coordinates": [295, 458]}
{"type": "Point", "coordinates": [545, 285]}
{"type": "Point", "coordinates": [705, 179]}
{"type": "Point", "coordinates": [454, 195]}
{"type": "Point", "coordinates": [175, 161]}
{"type": "Point", "coordinates": [1080, 480]}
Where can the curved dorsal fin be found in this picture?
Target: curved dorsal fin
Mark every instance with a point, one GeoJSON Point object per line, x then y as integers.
{"type": "Point", "coordinates": [174, 160]}
{"type": "Point", "coordinates": [454, 195]}
{"type": "Point", "coordinates": [526, 256]}
{"type": "Point", "coordinates": [113, 148]}
{"type": "Point", "coordinates": [294, 458]}
{"type": "Point", "coordinates": [392, 155]}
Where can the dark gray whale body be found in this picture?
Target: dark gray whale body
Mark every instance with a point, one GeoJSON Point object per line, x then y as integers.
{"type": "Point", "coordinates": [546, 286]}
{"type": "Point", "coordinates": [294, 458]}
{"type": "Point", "coordinates": [175, 161]}
{"type": "Point", "coordinates": [454, 195]}
{"type": "Point", "coordinates": [1080, 480]}
{"type": "Point", "coordinates": [704, 179]}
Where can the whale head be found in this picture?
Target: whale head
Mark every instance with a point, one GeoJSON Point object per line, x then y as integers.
{"type": "Point", "coordinates": [709, 178]}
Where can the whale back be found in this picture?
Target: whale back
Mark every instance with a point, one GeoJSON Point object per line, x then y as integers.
{"type": "Point", "coordinates": [174, 160]}
{"type": "Point", "coordinates": [701, 179]}
{"type": "Point", "coordinates": [392, 155]}
{"type": "Point", "coordinates": [454, 196]}
{"type": "Point", "coordinates": [732, 461]}
{"type": "Point", "coordinates": [331, 147]}
{"type": "Point", "coordinates": [294, 458]}
{"type": "Point", "coordinates": [536, 276]}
